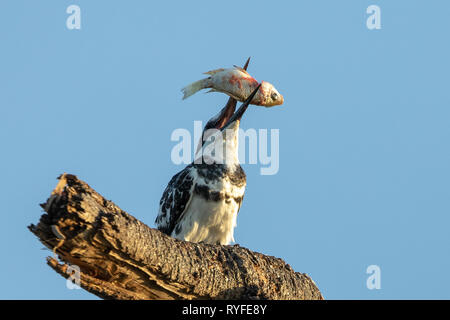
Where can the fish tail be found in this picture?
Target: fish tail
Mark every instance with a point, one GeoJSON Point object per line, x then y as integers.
{"type": "Point", "coordinates": [192, 88]}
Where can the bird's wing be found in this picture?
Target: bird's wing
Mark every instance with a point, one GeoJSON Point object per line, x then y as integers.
{"type": "Point", "coordinates": [175, 200]}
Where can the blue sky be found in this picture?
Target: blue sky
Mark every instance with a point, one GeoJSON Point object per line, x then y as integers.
{"type": "Point", "coordinates": [364, 175]}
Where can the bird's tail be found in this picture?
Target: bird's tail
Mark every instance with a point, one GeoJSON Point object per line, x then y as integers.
{"type": "Point", "coordinates": [192, 88]}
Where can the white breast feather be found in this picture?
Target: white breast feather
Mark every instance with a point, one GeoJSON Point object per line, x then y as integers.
{"type": "Point", "coordinates": [211, 221]}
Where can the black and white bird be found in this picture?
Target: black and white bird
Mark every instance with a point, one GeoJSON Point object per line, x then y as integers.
{"type": "Point", "coordinates": [201, 202]}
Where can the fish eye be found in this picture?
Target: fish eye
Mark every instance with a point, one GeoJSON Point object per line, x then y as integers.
{"type": "Point", "coordinates": [274, 96]}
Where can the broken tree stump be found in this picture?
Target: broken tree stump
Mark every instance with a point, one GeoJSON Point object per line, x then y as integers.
{"type": "Point", "coordinates": [120, 257]}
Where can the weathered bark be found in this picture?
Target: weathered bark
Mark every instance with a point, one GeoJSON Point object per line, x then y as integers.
{"type": "Point", "coordinates": [122, 258]}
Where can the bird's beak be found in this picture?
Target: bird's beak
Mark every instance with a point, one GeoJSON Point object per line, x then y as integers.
{"type": "Point", "coordinates": [238, 114]}
{"type": "Point", "coordinates": [226, 113]}
{"type": "Point", "coordinates": [246, 64]}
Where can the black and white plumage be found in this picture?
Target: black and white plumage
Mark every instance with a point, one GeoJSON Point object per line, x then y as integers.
{"type": "Point", "coordinates": [201, 202]}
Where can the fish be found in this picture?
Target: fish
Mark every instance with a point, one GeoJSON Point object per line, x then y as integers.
{"type": "Point", "coordinates": [237, 83]}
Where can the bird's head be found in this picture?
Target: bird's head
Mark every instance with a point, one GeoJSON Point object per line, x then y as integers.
{"type": "Point", "coordinates": [225, 125]}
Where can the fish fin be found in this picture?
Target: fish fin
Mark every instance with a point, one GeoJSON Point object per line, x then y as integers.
{"type": "Point", "coordinates": [214, 71]}
{"type": "Point", "coordinates": [241, 69]}
{"type": "Point", "coordinates": [192, 88]}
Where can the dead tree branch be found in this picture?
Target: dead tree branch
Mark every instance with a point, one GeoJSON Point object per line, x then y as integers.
{"type": "Point", "coordinates": [122, 258]}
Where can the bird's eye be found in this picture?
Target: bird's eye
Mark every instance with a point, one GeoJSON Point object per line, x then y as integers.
{"type": "Point", "coordinates": [274, 96]}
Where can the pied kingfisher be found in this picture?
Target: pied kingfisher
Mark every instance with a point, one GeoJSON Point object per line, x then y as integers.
{"type": "Point", "coordinates": [201, 202]}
